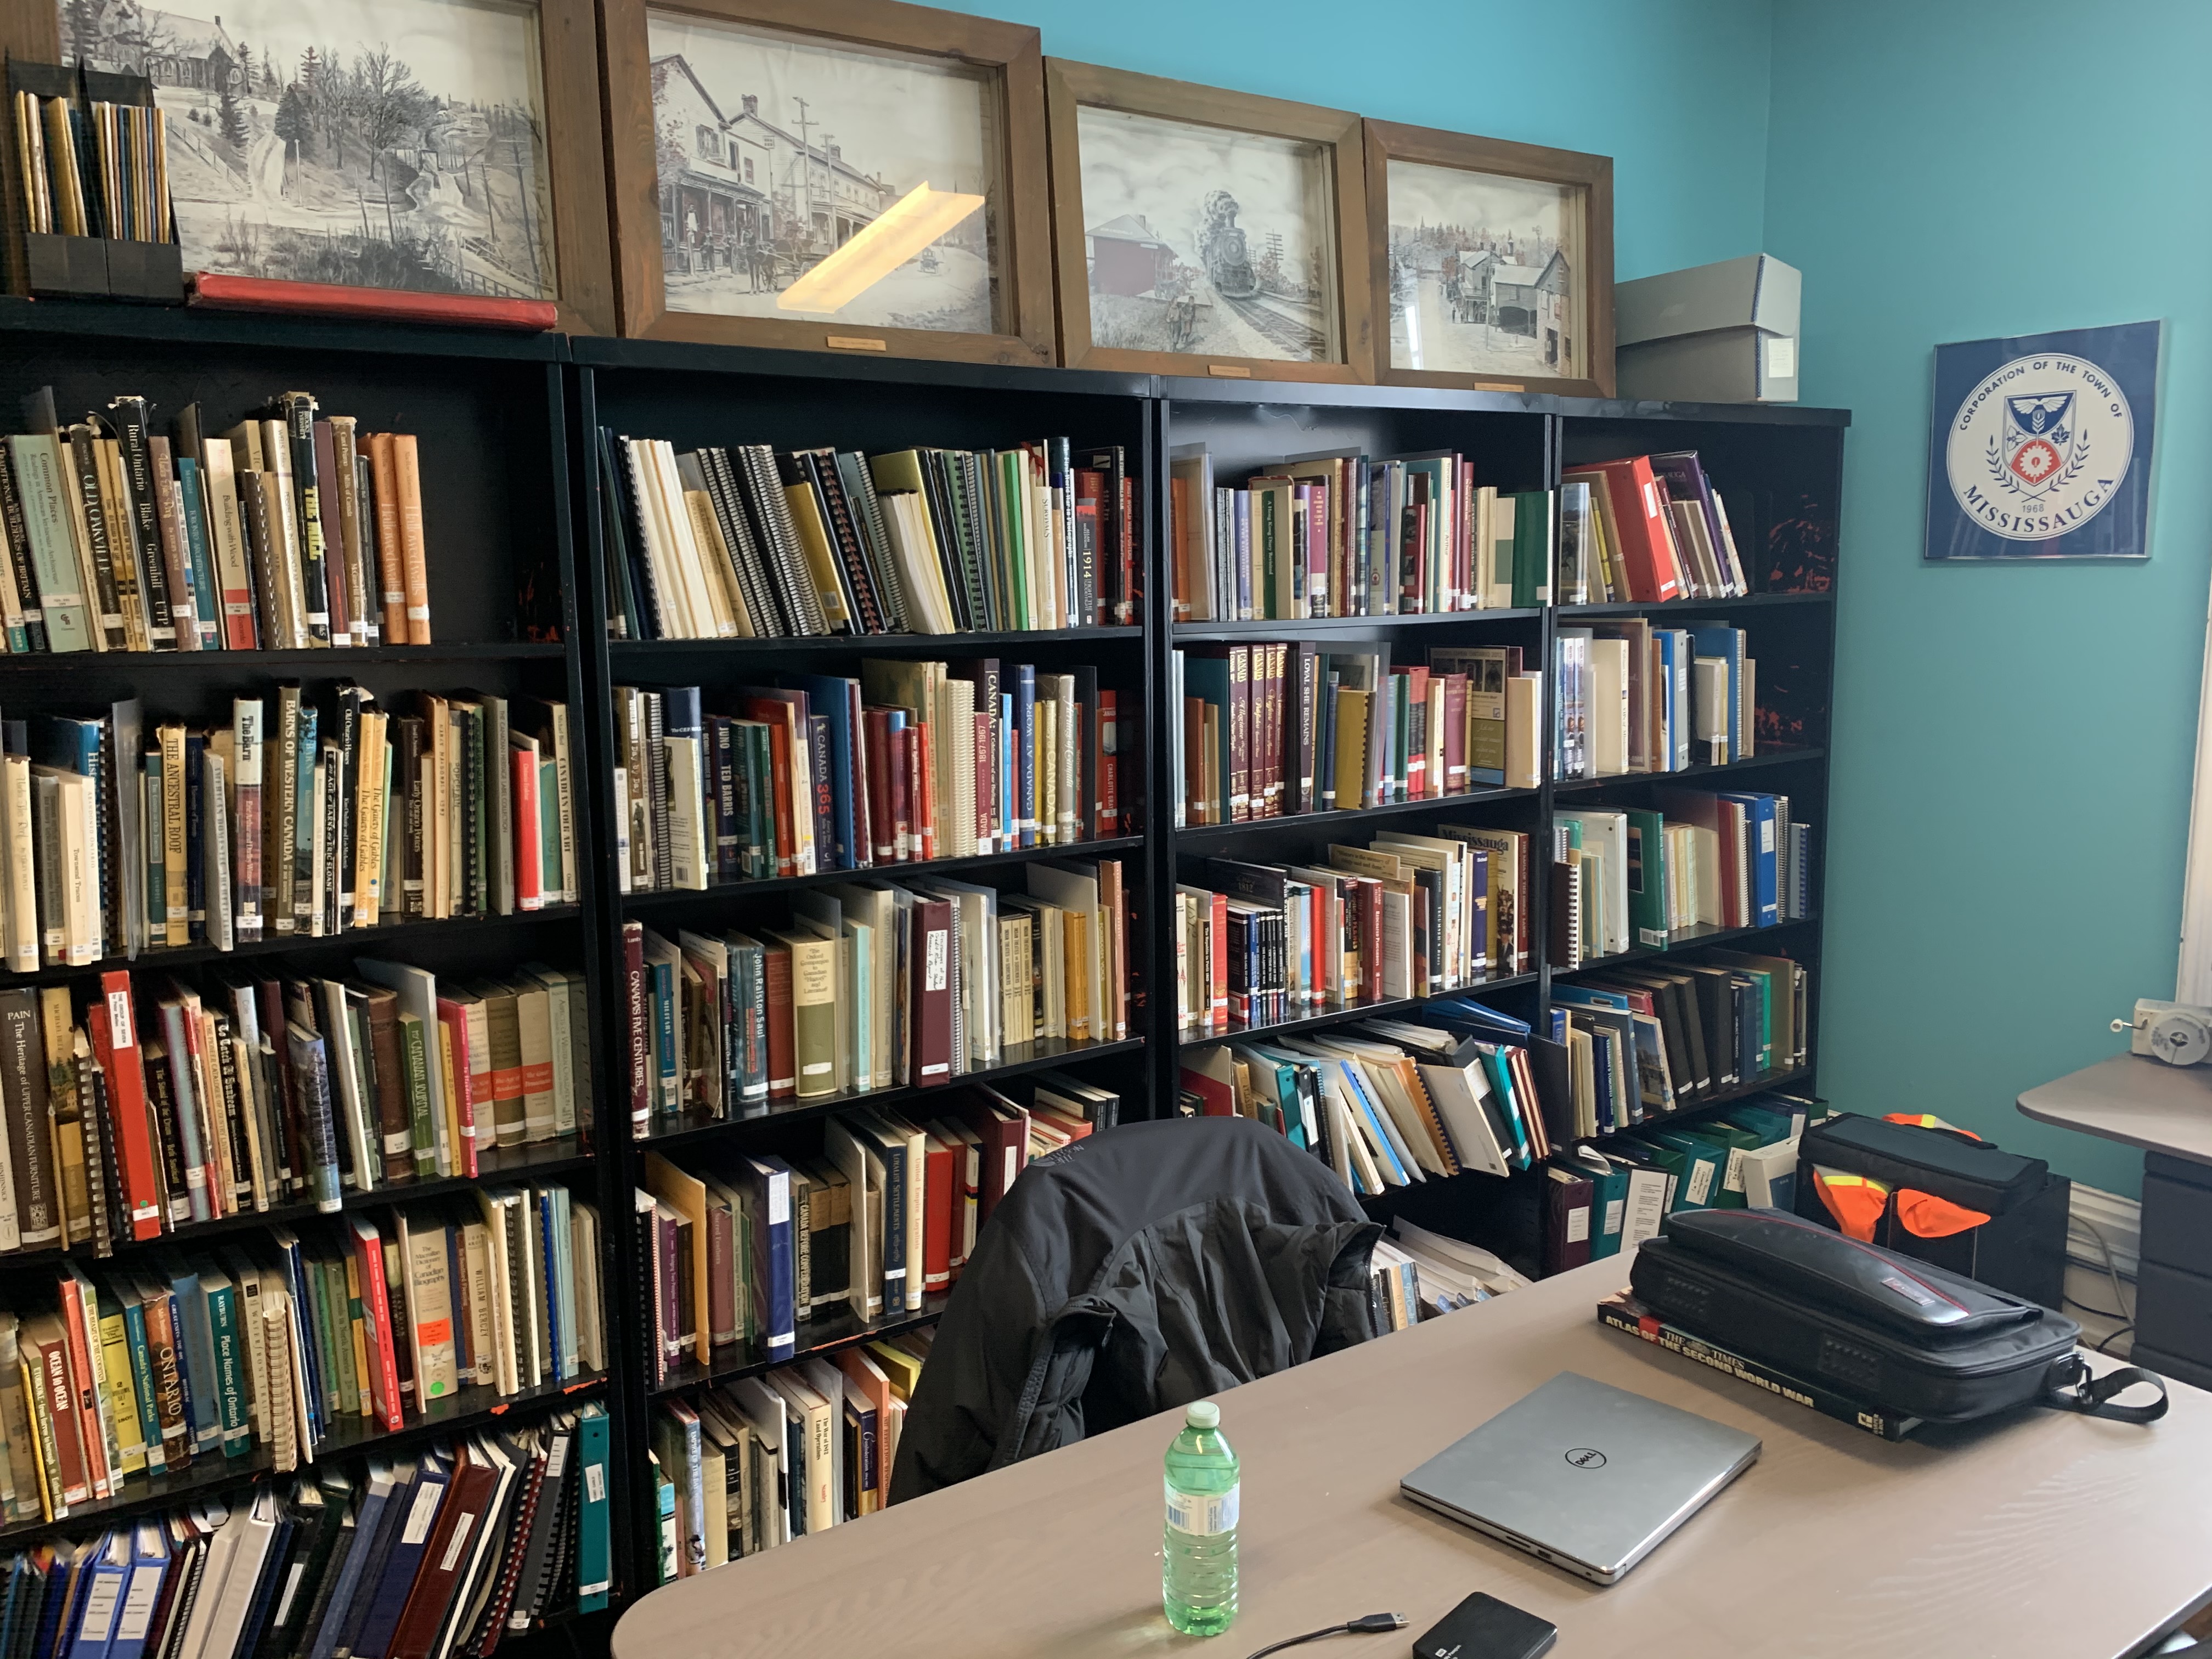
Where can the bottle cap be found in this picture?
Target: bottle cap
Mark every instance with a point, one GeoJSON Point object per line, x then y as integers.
{"type": "Point", "coordinates": [1202, 1414]}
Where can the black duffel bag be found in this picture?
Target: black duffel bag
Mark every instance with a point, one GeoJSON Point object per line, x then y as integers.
{"type": "Point", "coordinates": [1886, 1330]}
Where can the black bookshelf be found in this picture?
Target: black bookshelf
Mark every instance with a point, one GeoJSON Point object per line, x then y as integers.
{"type": "Point", "coordinates": [491, 412]}
{"type": "Point", "coordinates": [517, 579]}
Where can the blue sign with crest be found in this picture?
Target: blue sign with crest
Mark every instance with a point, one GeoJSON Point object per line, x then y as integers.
{"type": "Point", "coordinates": [2040, 446]}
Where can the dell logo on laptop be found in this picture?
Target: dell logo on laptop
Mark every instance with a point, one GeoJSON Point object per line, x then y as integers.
{"type": "Point", "coordinates": [1583, 1457]}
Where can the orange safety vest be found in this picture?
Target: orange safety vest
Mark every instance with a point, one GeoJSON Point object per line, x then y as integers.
{"type": "Point", "coordinates": [1923, 1214]}
{"type": "Point", "coordinates": [1857, 1201]}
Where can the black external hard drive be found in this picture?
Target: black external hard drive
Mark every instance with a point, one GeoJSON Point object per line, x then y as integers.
{"type": "Point", "coordinates": [1484, 1627]}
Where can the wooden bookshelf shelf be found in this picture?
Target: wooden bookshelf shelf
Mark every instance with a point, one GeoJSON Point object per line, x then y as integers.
{"type": "Point", "coordinates": [367, 941]}
{"type": "Point", "coordinates": [1281, 628]}
{"type": "Point", "coordinates": [824, 1334]}
{"type": "Point", "coordinates": [1568, 613]}
{"type": "Point", "coordinates": [623, 654]}
{"type": "Point", "coordinates": [1033, 1056]}
{"type": "Point", "coordinates": [211, 1475]}
{"type": "Point", "coordinates": [1389, 1007]}
{"type": "Point", "coordinates": [665, 898]}
{"type": "Point", "coordinates": [1699, 772]}
{"type": "Point", "coordinates": [1198, 835]}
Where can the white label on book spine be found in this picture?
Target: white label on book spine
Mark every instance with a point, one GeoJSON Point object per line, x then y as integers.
{"type": "Point", "coordinates": [1013, 1165]}
{"type": "Point", "coordinates": [138, 1606]}
{"type": "Point", "coordinates": [425, 1510]}
{"type": "Point", "coordinates": [595, 1482]}
{"type": "Point", "coordinates": [939, 956]}
{"type": "Point", "coordinates": [460, 1540]}
{"type": "Point", "coordinates": [556, 1460]}
{"type": "Point", "coordinates": [779, 1200]}
{"type": "Point", "coordinates": [1614, 1209]}
{"type": "Point", "coordinates": [1202, 1515]}
{"type": "Point", "coordinates": [1578, 1224]}
{"type": "Point", "coordinates": [1701, 1182]}
{"type": "Point", "coordinates": [100, 1605]}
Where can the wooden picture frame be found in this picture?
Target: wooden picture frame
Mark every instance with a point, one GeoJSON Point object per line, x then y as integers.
{"type": "Point", "coordinates": [576, 174]}
{"type": "Point", "coordinates": [1010, 53]}
{"type": "Point", "coordinates": [1571, 171]}
{"type": "Point", "coordinates": [1071, 88]}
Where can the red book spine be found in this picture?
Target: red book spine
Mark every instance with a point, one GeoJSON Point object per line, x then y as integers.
{"type": "Point", "coordinates": [1086, 542]}
{"type": "Point", "coordinates": [1417, 754]}
{"type": "Point", "coordinates": [1455, 734]}
{"type": "Point", "coordinates": [1110, 771]}
{"type": "Point", "coordinates": [384, 1362]}
{"type": "Point", "coordinates": [864, 748]}
{"type": "Point", "coordinates": [1218, 932]}
{"type": "Point", "coordinates": [1321, 601]}
{"type": "Point", "coordinates": [986, 794]}
{"type": "Point", "coordinates": [640, 1028]}
{"type": "Point", "coordinates": [529, 854]}
{"type": "Point", "coordinates": [882, 766]}
{"type": "Point", "coordinates": [53, 1378]}
{"type": "Point", "coordinates": [782, 1039]}
{"type": "Point", "coordinates": [1639, 511]}
{"type": "Point", "coordinates": [925, 795]}
{"type": "Point", "coordinates": [116, 1040]}
{"type": "Point", "coordinates": [779, 752]}
{"type": "Point", "coordinates": [937, 1220]}
{"type": "Point", "coordinates": [1125, 525]}
{"type": "Point", "coordinates": [933, 998]}
{"type": "Point", "coordinates": [901, 789]}
{"type": "Point", "coordinates": [75, 1329]}
{"type": "Point", "coordinates": [455, 1019]}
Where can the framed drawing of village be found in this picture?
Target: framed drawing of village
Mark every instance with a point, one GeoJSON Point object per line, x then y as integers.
{"type": "Point", "coordinates": [855, 175]}
{"type": "Point", "coordinates": [431, 146]}
{"type": "Point", "coordinates": [1203, 232]}
{"type": "Point", "coordinates": [1491, 262]}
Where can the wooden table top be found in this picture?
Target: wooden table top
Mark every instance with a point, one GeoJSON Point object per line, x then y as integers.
{"type": "Point", "coordinates": [2133, 1099]}
{"type": "Point", "coordinates": [2047, 1533]}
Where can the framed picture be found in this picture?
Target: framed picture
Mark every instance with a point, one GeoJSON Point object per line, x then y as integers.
{"type": "Point", "coordinates": [2040, 446]}
{"type": "Point", "coordinates": [438, 146]}
{"type": "Point", "coordinates": [830, 174]}
{"type": "Point", "coordinates": [1493, 262]}
{"type": "Point", "coordinates": [1203, 232]}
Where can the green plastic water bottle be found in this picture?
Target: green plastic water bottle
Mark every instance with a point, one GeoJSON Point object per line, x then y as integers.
{"type": "Point", "coordinates": [1199, 1563]}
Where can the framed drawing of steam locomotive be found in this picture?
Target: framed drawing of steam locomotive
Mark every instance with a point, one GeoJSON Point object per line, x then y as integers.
{"type": "Point", "coordinates": [1202, 231]}
{"type": "Point", "coordinates": [1491, 263]}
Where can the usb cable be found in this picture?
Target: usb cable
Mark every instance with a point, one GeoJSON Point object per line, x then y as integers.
{"type": "Point", "coordinates": [1371, 1625]}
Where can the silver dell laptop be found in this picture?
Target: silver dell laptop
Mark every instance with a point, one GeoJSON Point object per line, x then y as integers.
{"type": "Point", "coordinates": [1584, 1476]}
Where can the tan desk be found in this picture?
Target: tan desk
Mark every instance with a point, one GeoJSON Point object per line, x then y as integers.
{"type": "Point", "coordinates": [2052, 1535]}
{"type": "Point", "coordinates": [2138, 1102]}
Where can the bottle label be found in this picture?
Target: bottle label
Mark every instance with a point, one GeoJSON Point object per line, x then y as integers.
{"type": "Point", "coordinates": [1201, 1516]}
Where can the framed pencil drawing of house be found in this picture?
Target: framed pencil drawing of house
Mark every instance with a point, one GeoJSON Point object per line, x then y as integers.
{"type": "Point", "coordinates": [442, 147]}
{"type": "Point", "coordinates": [830, 174]}
{"type": "Point", "coordinates": [1493, 261]}
{"type": "Point", "coordinates": [1198, 231]}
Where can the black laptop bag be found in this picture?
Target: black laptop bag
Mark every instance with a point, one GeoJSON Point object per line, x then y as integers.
{"type": "Point", "coordinates": [1884, 1330]}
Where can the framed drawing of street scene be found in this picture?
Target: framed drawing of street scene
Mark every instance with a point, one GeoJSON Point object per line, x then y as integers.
{"type": "Point", "coordinates": [432, 146]}
{"type": "Point", "coordinates": [829, 175]}
{"type": "Point", "coordinates": [1491, 262]}
{"type": "Point", "coordinates": [1203, 232]}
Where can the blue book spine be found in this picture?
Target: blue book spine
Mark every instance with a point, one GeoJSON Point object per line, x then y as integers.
{"type": "Point", "coordinates": [555, 1325]}
{"type": "Point", "coordinates": [1387, 1152]}
{"type": "Point", "coordinates": [409, 1539]}
{"type": "Point", "coordinates": [1025, 750]}
{"type": "Point", "coordinates": [594, 1557]}
{"type": "Point", "coordinates": [207, 596]}
{"type": "Point", "coordinates": [831, 698]}
{"type": "Point", "coordinates": [295, 1287]}
{"type": "Point", "coordinates": [772, 1238]}
{"type": "Point", "coordinates": [338, 1611]}
{"type": "Point", "coordinates": [728, 838]}
{"type": "Point", "coordinates": [188, 1303]}
{"type": "Point", "coordinates": [1601, 1071]}
{"type": "Point", "coordinates": [1758, 822]}
{"type": "Point", "coordinates": [663, 978]}
{"type": "Point", "coordinates": [107, 1577]}
{"type": "Point", "coordinates": [150, 1566]}
{"type": "Point", "coordinates": [309, 822]}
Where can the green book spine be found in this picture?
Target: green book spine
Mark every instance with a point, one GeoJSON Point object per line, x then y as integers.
{"type": "Point", "coordinates": [1013, 478]}
{"type": "Point", "coordinates": [142, 1386]}
{"type": "Point", "coordinates": [414, 1055]}
{"type": "Point", "coordinates": [318, 1316]}
{"type": "Point", "coordinates": [229, 1370]}
{"type": "Point", "coordinates": [548, 828]}
{"type": "Point", "coordinates": [340, 1303]}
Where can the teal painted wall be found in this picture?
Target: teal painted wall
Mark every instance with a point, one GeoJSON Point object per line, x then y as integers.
{"type": "Point", "coordinates": [2013, 747]}
{"type": "Point", "coordinates": [1675, 91]}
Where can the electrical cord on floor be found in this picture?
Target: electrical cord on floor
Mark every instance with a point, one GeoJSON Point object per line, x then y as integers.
{"type": "Point", "coordinates": [1371, 1625]}
{"type": "Point", "coordinates": [2112, 1272]}
{"type": "Point", "coordinates": [2105, 1346]}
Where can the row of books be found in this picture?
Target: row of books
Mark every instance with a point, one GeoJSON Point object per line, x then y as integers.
{"type": "Point", "coordinates": [909, 761]}
{"type": "Point", "coordinates": [1387, 1103]}
{"type": "Point", "coordinates": [1660, 1037]}
{"type": "Point", "coordinates": [749, 543]}
{"type": "Point", "coordinates": [147, 1109]}
{"type": "Point", "coordinates": [1632, 697]}
{"type": "Point", "coordinates": [1342, 534]}
{"type": "Point", "coordinates": [771, 1458]}
{"type": "Point", "coordinates": [1407, 916]}
{"type": "Point", "coordinates": [273, 1344]}
{"type": "Point", "coordinates": [744, 1255]}
{"type": "Point", "coordinates": [1642, 878]}
{"type": "Point", "coordinates": [1419, 1274]}
{"type": "Point", "coordinates": [307, 815]}
{"type": "Point", "coordinates": [94, 167]}
{"type": "Point", "coordinates": [1598, 1199]}
{"type": "Point", "coordinates": [424, 1558]}
{"type": "Point", "coordinates": [874, 985]}
{"type": "Point", "coordinates": [1645, 529]}
{"type": "Point", "coordinates": [1279, 729]}
{"type": "Point", "coordinates": [290, 531]}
